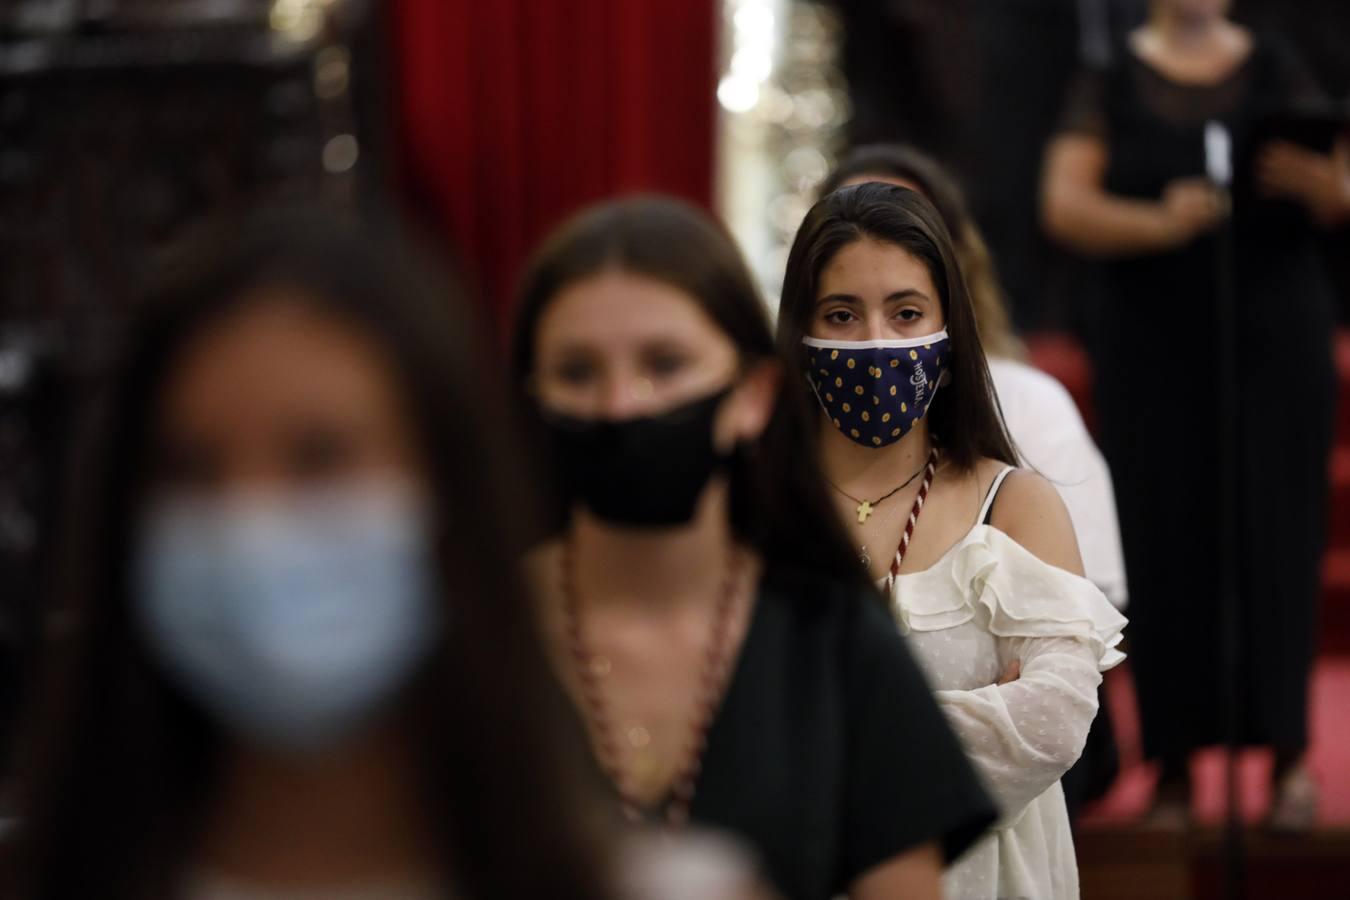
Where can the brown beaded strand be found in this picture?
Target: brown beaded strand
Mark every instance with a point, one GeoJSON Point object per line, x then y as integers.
{"type": "Point", "coordinates": [713, 683]}
{"type": "Point", "coordinates": [914, 512]}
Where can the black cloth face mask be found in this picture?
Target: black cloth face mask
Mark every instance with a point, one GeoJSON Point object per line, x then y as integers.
{"type": "Point", "coordinates": [645, 472]}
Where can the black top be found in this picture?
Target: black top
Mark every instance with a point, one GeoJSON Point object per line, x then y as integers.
{"type": "Point", "coordinates": [829, 754]}
{"type": "Point", "coordinates": [1158, 380]}
{"type": "Point", "coordinates": [1154, 128]}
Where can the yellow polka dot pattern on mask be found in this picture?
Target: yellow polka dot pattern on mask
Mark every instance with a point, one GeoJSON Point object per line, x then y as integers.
{"type": "Point", "coordinates": [900, 382]}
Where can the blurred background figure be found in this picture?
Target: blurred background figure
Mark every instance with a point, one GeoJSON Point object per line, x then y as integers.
{"type": "Point", "coordinates": [1125, 180]}
{"type": "Point", "coordinates": [300, 664]}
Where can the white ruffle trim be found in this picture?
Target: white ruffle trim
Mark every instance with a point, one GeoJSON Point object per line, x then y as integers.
{"type": "Point", "coordinates": [1011, 593]}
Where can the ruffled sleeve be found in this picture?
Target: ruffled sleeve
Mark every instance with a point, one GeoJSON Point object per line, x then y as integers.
{"type": "Point", "coordinates": [1019, 596]}
{"type": "Point", "coordinates": [1023, 736]}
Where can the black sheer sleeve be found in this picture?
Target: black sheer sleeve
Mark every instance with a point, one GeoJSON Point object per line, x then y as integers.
{"type": "Point", "coordinates": [1085, 106]}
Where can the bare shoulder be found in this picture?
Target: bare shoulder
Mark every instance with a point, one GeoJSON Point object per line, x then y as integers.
{"type": "Point", "coordinates": [964, 490]}
{"type": "Point", "coordinates": [985, 471]}
{"type": "Point", "coordinates": [1029, 510]}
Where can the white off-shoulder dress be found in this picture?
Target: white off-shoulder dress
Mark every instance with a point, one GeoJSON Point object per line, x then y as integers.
{"type": "Point", "coordinates": [988, 601]}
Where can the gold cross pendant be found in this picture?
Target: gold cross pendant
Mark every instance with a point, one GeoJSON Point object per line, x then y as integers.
{"type": "Point", "coordinates": [864, 510]}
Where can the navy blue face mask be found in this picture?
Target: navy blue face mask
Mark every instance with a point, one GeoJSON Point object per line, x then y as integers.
{"type": "Point", "coordinates": [875, 391]}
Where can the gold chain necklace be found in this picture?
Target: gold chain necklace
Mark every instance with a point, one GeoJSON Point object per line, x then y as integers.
{"type": "Point", "coordinates": [866, 507]}
{"type": "Point", "coordinates": [590, 668]}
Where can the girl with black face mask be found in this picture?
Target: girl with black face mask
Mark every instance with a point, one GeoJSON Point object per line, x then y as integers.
{"type": "Point", "coordinates": [699, 603]}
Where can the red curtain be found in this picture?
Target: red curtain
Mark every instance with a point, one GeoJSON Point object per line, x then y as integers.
{"type": "Point", "coordinates": [514, 113]}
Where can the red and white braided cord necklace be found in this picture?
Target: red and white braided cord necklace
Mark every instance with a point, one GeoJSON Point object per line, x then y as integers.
{"type": "Point", "coordinates": [914, 512]}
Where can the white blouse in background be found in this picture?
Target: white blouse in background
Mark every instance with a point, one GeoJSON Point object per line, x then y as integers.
{"type": "Point", "coordinates": [986, 602]}
{"type": "Point", "coordinates": [1051, 438]}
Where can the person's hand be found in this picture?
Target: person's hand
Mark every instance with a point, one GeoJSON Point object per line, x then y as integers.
{"type": "Point", "coordinates": [1191, 206]}
{"type": "Point", "coordinates": [689, 865]}
{"type": "Point", "coordinates": [1011, 673]}
{"type": "Point", "coordinates": [1319, 181]}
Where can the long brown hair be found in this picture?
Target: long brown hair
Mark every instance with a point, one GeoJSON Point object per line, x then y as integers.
{"type": "Point", "coordinates": [121, 766]}
{"type": "Point", "coordinates": [965, 418]}
{"type": "Point", "coordinates": [779, 503]}
{"type": "Point", "coordinates": [972, 252]}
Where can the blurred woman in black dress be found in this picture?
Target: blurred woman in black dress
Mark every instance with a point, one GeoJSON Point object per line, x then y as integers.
{"type": "Point", "coordinates": [1124, 181]}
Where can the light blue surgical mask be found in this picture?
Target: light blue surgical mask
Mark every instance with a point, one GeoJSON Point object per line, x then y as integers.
{"type": "Point", "coordinates": [293, 618]}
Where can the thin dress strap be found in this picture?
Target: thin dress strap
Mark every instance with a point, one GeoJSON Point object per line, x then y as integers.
{"type": "Point", "coordinates": [987, 511]}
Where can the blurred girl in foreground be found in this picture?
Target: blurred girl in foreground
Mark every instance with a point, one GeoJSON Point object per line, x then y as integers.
{"type": "Point", "coordinates": [302, 665]}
